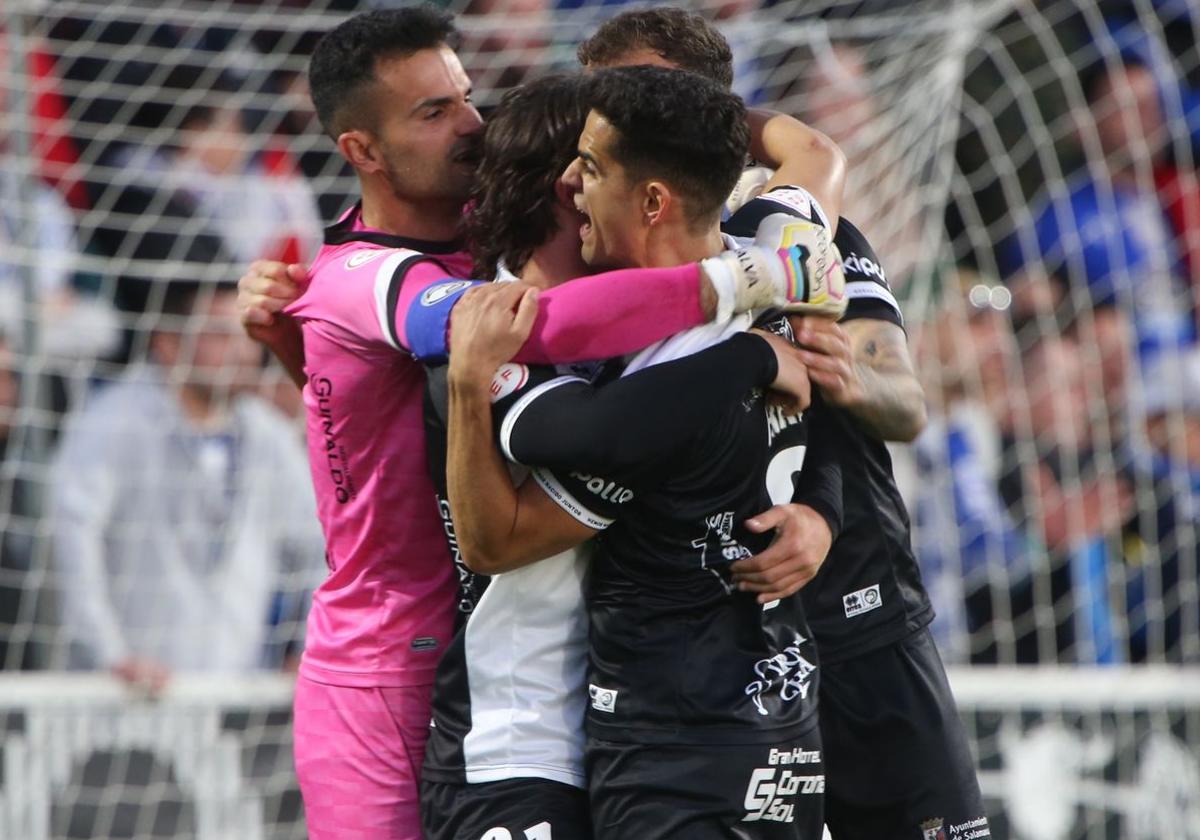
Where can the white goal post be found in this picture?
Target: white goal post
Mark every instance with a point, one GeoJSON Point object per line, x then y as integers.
{"type": "Point", "coordinates": [1065, 753]}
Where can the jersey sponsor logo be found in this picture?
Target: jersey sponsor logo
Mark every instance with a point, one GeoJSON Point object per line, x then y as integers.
{"type": "Point", "coordinates": [466, 578]}
{"type": "Point", "coordinates": [607, 490]}
{"type": "Point", "coordinates": [794, 756]}
{"type": "Point", "coordinates": [361, 258]}
{"type": "Point", "coordinates": [932, 829]}
{"type": "Point", "coordinates": [603, 699]}
{"type": "Point", "coordinates": [786, 674]}
{"type": "Point", "coordinates": [424, 643]}
{"type": "Point", "coordinates": [862, 601]}
{"type": "Point", "coordinates": [864, 265]}
{"type": "Point", "coordinates": [440, 291]}
{"type": "Point", "coordinates": [510, 378]}
{"type": "Point", "coordinates": [718, 547]}
{"type": "Point", "coordinates": [794, 199]}
{"type": "Point", "coordinates": [771, 794]}
{"type": "Point", "coordinates": [335, 454]}
{"type": "Point", "coordinates": [975, 829]}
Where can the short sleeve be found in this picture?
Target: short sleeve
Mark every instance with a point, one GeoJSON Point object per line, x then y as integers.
{"type": "Point", "coordinates": [867, 289]}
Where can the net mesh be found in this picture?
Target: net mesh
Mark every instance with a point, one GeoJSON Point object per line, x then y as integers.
{"type": "Point", "coordinates": [1024, 170]}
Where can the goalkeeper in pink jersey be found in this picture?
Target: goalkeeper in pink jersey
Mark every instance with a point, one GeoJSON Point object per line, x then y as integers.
{"type": "Point", "coordinates": [390, 91]}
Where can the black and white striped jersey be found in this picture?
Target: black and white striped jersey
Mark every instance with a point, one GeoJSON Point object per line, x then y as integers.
{"type": "Point", "coordinates": [507, 700]}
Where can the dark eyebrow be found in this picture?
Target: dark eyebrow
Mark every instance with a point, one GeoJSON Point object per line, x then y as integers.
{"type": "Point", "coordinates": [434, 102]}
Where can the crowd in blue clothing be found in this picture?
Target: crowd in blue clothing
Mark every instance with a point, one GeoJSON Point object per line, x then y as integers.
{"type": "Point", "coordinates": [1058, 514]}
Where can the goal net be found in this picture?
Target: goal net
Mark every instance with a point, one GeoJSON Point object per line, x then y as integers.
{"type": "Point", "coordinates": [1006, 163]}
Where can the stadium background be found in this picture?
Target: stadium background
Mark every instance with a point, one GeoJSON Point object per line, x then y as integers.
{"type": "Point", "coordinates": [1025, 169]}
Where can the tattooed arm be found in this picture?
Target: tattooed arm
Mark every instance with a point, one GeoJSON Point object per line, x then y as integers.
{"type": "Point", "coordinates": [864, 366]}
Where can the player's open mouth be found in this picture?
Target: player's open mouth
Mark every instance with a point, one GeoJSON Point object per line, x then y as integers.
{"type": "Point", "coordinates": [586, 227]}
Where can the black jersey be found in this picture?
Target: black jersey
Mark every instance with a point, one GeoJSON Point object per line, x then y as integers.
{"type": "Point", "coordinates": [677, 654]}
{"type": "Point", "coordinates": [510, 690]}
{"type": "Point", "coordinates": [868, 593]}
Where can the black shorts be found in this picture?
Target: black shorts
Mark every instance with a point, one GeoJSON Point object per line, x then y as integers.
{"type": "Point", "coordinates": [513, 809]}
{"type": "Point", "coordinates": [717, 792]}
{"type": "Point", "coordinates": [898, 765]}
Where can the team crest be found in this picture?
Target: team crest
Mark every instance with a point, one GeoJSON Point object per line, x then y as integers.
{"type": "Point", "coordinates": [932, 829]}
{"type": "Point", "coordinates": [360, 258]}
{"type": "Point", "coordinates": [510, 377]}
{"type": "Point", "coordinates": [440, 291]}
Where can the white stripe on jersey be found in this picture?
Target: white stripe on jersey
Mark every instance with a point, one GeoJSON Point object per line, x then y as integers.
{"type": "Point", "coordinates": [510, 419]}
{"type": "Point", "coordinates": [383, 284]}
{"type": "Point", "coordinates": [567, 501]}
{"type": "Point", "coordinates": [871, 289]}
{"type": "Point", "coordinates": [526, 645]}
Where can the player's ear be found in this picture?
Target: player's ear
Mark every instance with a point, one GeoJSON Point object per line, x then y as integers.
{"type": "Point", "coordinates": [656, 200]}
{"type": "Point", "coordinates": [357, 148]}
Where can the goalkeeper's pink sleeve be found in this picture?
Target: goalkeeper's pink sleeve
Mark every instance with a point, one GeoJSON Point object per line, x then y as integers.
{"type": "Point", "coordinates": [614, 313]}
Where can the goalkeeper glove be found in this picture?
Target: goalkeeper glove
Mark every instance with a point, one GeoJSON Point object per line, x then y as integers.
{"type": "Point", "coordinates": [804, 277]}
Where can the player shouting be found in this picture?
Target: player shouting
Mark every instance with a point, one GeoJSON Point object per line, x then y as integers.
{"type": "Point", "coordinates": [898, 764]}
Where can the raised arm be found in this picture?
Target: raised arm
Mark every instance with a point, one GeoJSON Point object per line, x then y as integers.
{"type": "Point", "coordinates": [801, 156]}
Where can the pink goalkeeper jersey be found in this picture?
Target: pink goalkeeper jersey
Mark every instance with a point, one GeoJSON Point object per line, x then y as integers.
{"type": "Point", "coordinates": [385, 613]}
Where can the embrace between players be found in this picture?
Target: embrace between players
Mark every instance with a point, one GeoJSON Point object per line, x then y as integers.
{"type": "Point", "coordinates": [586, 535]}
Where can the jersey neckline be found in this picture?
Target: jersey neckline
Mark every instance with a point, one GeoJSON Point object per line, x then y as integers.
{"type": "Point", "coordinates": [343, 231]}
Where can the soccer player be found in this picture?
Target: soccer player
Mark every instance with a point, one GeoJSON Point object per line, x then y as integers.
{"type": "Point", "coordinates": [506, 750]}
{"type": "Point", "coordinates": [898, 764]}
{"type": "Point", "coordinates": [389, 90]}
{"type": "Point", "coordinates": [698, 692]}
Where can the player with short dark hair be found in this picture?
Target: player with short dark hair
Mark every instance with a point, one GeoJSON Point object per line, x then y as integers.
{"type": "Point", "coordinates": [668, 35]}
{"type": "Point", "coordinates": [689, 136]}
{"type": "Point", "coordinates": [867, 604]}
{"type": "Point", "coordinates": [343, 72]}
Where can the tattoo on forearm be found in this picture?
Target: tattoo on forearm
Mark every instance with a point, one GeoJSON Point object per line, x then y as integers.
{"type": "Point", "coordinates": [893, 407]}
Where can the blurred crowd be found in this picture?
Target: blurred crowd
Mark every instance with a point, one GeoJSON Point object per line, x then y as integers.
{"type": "Point", "coordinates": [155, 504]}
